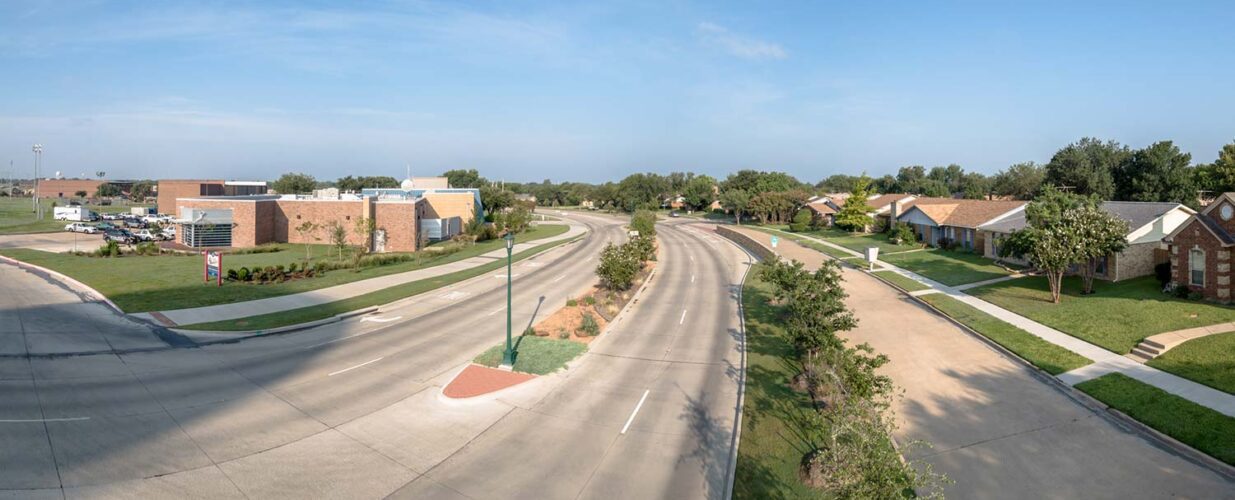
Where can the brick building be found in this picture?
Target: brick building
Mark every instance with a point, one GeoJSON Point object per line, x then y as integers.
{"type": "Point", "coordinates": [68, 188]}
{"type": "Point", "coordinates": [169, 190]}
{"type": "Point", "coordinates": [1200, 250]}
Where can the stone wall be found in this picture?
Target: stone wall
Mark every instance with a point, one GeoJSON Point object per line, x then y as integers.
{"type": "Point", "coordinates": [746, 242]}
{"type": "Point", "coordinates": [1135, 261]}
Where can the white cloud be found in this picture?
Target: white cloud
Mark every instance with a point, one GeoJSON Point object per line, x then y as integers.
{"type": "Point", "coordinates": [738, 45]}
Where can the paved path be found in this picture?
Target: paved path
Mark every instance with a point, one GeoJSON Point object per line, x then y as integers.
{"type": "Point", "coordinates": [1105, 361]}
{"type": "Point", "coordinates": [336, 293]}
{"type": "Point", "coordinates": [995, 428]}
{"type": "Point", "coordinates": [52, 242]}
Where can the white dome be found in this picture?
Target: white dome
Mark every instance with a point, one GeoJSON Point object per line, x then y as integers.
{"type": "Point", "coordinates": [407, 184]}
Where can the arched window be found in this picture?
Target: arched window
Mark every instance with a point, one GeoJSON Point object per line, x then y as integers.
{"type": "Point", "coordinates": [1197, 267]}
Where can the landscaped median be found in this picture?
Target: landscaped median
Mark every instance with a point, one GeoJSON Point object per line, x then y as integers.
{"type": "Point", "coordinates": [383, 296]}
{"type": "Point", "coordinates": [1194, 425]}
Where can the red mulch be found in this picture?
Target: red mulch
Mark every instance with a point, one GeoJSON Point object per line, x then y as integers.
{"type": "Point", "coordinates": [476, 380]}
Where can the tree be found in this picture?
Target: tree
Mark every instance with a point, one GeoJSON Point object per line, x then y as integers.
{"type": "Point", "coordinates": [737, 200]}
{"type": "Point", "coordinates": [837, 183]}
{"type": "Point", "coordinates": [974, 186]}
{"type": "Point", "coordinates": [496, 199]}
{"type": "Point", "coordinates": [641, 191]}
{"type": "Point", "coordinates": [308, 233]}
{"type": "Point", "coordinates": [338, 236]}
{"type": "Point", "coordinates": [364, 227]}
{"type": "Point", "coordinates": [517, 219]}
{"type": "Point", "coordinates": [1159, 172]}
{"type": "Point", "coordinates": [910, 179]}
{"type": "Point", "coordinates": [1052, 249]}
{"type": "Point", "coordinates": [1099, 234]}
{"type": "Point", "coordinates": [618, 267]}
{"type": "Point", "coordinates": [460, 178]}
{"type": "Point", "coordinates": [854, 215]}
{"type": "Point", "coordinates": [80, 194]}
{"type": "Point", "coordinates": [801, 220]}
{"type": "Point", "coordinates": [1048, 208]}
{"type": "Point", "coordinates": [1219, 176]}
{"type": "Point", "coordinates": [1087, 166]}
{"type": "Point", "coordinates": [644, 221]}
{"type": "Point", "coordinates": [294, 183]}
{"type": "Point", "coordinates": [356, 184]}
{"type": "Point", "coordinates": [755, 182]}
{"type": "Point", "coordinates": [108, 190]}
{"type": "Point", "coordinates": [1020, 181]}
{"type": "Point", "coordinates": [700, 192]}
{"type": "Point", "coordinates": [141, 190]}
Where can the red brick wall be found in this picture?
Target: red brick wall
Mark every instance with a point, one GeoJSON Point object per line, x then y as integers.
{"type": "Point", "coordinates": [244, 216]}
{"type": "Point", "coordinates": [399, 221]}
{"type": "Point", "coordinates": [66, 188]}
{"type": "Point", "coordinates": [1215, 215]}
{"type": "Point", "coordinates": [259, 222]}
{"type": "Point", "coordinates": [292, 213]}
{"type": "Point", "coordinates": [1217, 261]}
{"type": "Point", "coordinates": [171, 190]}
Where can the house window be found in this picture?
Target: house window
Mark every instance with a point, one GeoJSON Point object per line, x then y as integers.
{"type": "Point", "coordinates": [1100, 269]}
{"type": "Point", "coordinates": [1197, 265]}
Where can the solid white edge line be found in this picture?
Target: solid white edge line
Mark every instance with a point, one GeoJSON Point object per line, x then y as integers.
{"type": "Point", "coordinates": [683, 319]}
{"type": "Point", "coordinates": [355, 367]}
{"type": "Point", "coordinates": [40, 420]}
{"type": "Point", "coordinates": [636, 412]}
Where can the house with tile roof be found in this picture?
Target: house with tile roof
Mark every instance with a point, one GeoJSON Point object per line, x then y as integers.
{"type": "Point", "coordinates": [937, 221]}
{"type": "Point", "coordinates": [1148, 224]}
{"type": "Point", "coordinates": [1200, 249]}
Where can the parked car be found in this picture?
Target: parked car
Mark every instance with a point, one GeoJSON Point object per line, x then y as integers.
{"type": "Point", "coordinates": [78, 227]}
{"type": "Point", "coordinates": [134, 223]}
{"type": "Point", "coordinates": [673, 213]}
{"type": "Point", "coordinates": [169, 233]}
{"type": "Point", "coordinates": [110, 216]}
{"type": "Point", "coordinates": [120, 236]}
{"type": "Point", "coordinates": [147, 235]}
{"type": "Point", "coordinates": [155, 219]}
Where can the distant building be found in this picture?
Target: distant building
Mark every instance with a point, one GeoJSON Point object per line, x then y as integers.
{"type": "Point", "coordinates": [68, 188]}
{"type": "Point", "coordinates": [170, 190]}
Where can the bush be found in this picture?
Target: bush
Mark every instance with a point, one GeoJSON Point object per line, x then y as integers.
{"type": "Point", "coordinates": [291, 268]}
{"type": "Point", "coordinates": [147, 248]}
{"type": "Point", "coordinates": [1195, 296]}
{"type": "Point", "coordinates": [266, 248]}
{"type": "Point", "coordinates": [563, 334]}
{"type": "Point", "coordinates": [589, 325]}
{"type": "Point", "coordinates": [589, 300]}
{"type": "Point", "coordinates": [232, 275]}
{"type": "Point", "coordinates": [1180, 291]}
{"type": "Point", "coordinates": [946, 243]}
{"type": "Point", "coordinates": [529, 332]}
{"type": "Point", "coordinates": [901, 234]}
{"type": "Point", "coordinates": [1162, 271]}
{"type": "Point", "coordinates": [244, 275]}
{"type": "Point", "coordinates": [644, 221]}
{"type": "Point", "coordinates": [618, 267]}
{"type": "Point", "coordinates": [801, 221]}
{"type": "Point", "coordinates": [571, 302]}
{"type": "Point", "coordinates": [109, 249]}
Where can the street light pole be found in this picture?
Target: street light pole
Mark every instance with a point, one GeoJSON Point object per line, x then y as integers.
{"type": "Point", "coordinates": [508, 357]}
{"type": "Point", "coordinates": [38, 158]}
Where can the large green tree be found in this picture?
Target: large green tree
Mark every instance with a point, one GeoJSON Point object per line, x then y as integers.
{"type": "Point", "coordinates": [736, 200]}
{"type": "Point", "coordinates": [1087, 166]}
{"type": "Point", "coordinates": [1160, 172]}
{"type": "Point", "coordinates": [294, 183]}
{"type": "Point", "coordinates": [1219, 176]}
{"type": "Point", "coordinates": [1020, 181]}
{"type": "Point", "coordinates": [461, 178]}
{"type": "Point", "coordinates": [837, 183]}
{"type": "Point", "coordinates": [641, 191]}
{"type": "Point", "coordinates": [854, 215]}
{"type": "Point", "coordinates": [700, 192]}
{"type": "Point", "coordinates": [755, 182]}
{"type": "Point", "coordinates": [1100, 234]}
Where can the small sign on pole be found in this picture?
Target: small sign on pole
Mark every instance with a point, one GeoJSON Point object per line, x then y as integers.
{"type": "Point", "coordinates": [214, 267]}
{"type": "Point", "coordinates": [872, 254]}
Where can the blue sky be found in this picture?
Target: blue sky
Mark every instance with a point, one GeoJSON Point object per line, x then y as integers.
{"type": "Point", "coordinates": [597, 90]}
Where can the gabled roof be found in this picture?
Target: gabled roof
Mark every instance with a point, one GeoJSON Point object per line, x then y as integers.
{"type": "Point", "coordinates": [963, 213]}
{"type": "Point", "coordinates": [1136, 213]}
{"type": "Point", "coordinates": [882, 201]}
{"type": "Point", "coordinates": [822, 208]}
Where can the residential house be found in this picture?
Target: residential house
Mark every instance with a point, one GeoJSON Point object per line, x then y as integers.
{"type": "Point", "coordinates": [882, 203]}
{"type": "Point", "coordinates": [1200, 249]}
{"type": "Point", "coordinates": [824, 208]}
{"type": "Point", "coordinates": [936, 221]}
{"type": "Point", "coordinates": [1148, 223]}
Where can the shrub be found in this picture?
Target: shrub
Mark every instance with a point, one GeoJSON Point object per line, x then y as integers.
{"type": "Point", "coordinates": [589, 300]}
{"type": "Point", "coordinates": [266, 248]}
{"type": "Point", "coordinates": [589, 325]}
{"type": "Point", "coordinates": [1180, 291]}
{"type": "Point", "coordinates": [571, 302]}
{"type": "Point", "coordinates": [291, 268]}
{"type": "Point", "coordinates": [244, 275]}
{"type": "Point", "coordinates": [1194, 296]}
{"type": "Point", "coordinates": [618, 266]}
{"type": "Point", "coordinates": [901, 234]}
{"type": "Point", "coordinates": [644, 221]}
{"type": "Point", "coordinates": [147, 248]}
{"type": "Point", "coordinates": [1162, 271]}
{"type": "Point", "coordinates": [232, 275]}
{"type": "Point", "coordinates": [563, 334]}
{"type": "Point", "coordinates": [109, 249]}
{"type": "Point", "coordinates": [529, 332]}
{"type": "Point", "coordinates": [801, 221]}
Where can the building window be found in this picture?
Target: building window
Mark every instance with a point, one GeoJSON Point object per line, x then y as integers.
{"type": "Point", "coordinates": [207, 235]}
{"type": "Point", "coordinates": [1197, 266]}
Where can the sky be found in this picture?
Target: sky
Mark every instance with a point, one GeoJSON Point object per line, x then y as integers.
{"type": "Point", "coordinates": [593, 91]}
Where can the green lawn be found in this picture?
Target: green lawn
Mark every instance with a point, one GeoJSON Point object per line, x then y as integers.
{"type": "Point", "coordinates": [904, 283]}
{"type": "Point", "coordinates": [1116, 317]}
{"type": "Point", "coordinates": [1208, 360]}
{"type": "Point", "coordinates": [535, 355]}
{"type": "Point", "coordinates": [1197, 426]}
{"type": "Point", "coordinates": [824, 249]}
{"type": "Point", "coordinates": [1045, 355]}
{"type": "Point", "coordinates": [858, 242]}
{"type": "Point", "coordinates": [17, 216]}
{"type": "Point", "coordinates": [947, 267]}
{"type": "Point", "coordinates": [383, 296]}
{"type": "Point", "coordinates": [773, 442]}
{"type": "Point", "coordinates": [161, 283]}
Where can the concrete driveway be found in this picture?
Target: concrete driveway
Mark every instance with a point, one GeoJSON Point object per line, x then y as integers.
{"type": "Point", "coordinates": [52, 242]}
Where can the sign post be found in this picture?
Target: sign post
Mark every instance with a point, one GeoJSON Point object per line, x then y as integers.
{"type": "Point", "coordinates": [214, 267]}
{"type": "Point", "coordinates": [872, 254]}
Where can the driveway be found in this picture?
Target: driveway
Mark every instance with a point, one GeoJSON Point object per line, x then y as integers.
{"type": "Point", "coordinates": [52, 242]}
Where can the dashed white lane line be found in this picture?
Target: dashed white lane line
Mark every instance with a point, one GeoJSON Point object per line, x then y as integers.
{"type": "Point", "coordinates": [513, 276]}
{"type": "Point", "coordinates": [683, 320]}
{"type": "Point", "coordinates": [41, 420]}
{"type": "Point", "coordinates": [559, 278]}
{"type": "Point", "coordinates": [495, 311]}
{"type": "Point", "coordinates": [636, 412]}
{"type": "Point", "coordinates": [340, 339]}
{"type": "Point", "coordinates": [379, 320]}
{"type": "Point", "coordinates": [345, 370]}
{"type": "Point", "coordinates": [692, 278]}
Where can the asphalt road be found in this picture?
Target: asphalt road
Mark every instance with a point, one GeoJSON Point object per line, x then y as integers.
{"type": "Point", "coordinates": [353, 409]}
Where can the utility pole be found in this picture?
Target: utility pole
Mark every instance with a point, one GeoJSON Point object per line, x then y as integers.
{"type": "Point", "coordinates": [38, 158]}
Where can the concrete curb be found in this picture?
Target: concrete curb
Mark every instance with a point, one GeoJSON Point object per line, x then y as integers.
{"type": "Point", "coordinates": [1153, 436]}
{"type": "Point", "coordinates": [79, 287]}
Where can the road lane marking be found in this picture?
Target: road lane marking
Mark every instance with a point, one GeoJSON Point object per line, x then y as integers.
{"type": "Point", "coordinates": [453, 296]}
{"type": "Point", "coordinates": [42, 420]}
{"type": "Point", "coordinates": [345, 370]}
{"type": "Point", "coordinates": [636, 412]}
{"type": "Point", "coordinates": [513, 276]}
{"type": "Point", "coordinates": [692, 258]}
{"type": "Point", "coordinates": [495, 311]}
{"type": "Point", "coordinates": [680, 321]}
{"type": "Point", "coordinates": [692, 278]}
{"type": "Point", "coordinates": [559, 278]}
{"type": "Point", "coordinates": [379, 320]}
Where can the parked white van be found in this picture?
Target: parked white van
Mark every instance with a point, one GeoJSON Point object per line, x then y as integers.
{"type": "Point", "coordinates": [73, 213]}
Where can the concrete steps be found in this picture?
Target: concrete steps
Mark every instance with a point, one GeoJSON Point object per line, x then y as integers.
{"type": "Point", "coordinates": [1149, 349]}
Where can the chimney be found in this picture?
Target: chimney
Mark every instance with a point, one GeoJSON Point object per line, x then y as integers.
{"type": "Point", "coordinates": [896, 210]}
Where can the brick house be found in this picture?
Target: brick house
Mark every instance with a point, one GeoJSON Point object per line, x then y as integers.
{"type": "Point", "coordinates": [1200, 250]}
{"type": "Point", "coordinates": [1148, 223]}
{"type": "Point", "coordinates": [935, 220]}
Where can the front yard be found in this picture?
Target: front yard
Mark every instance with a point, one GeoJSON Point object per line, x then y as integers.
{"type": "Point", "coordinates": [858, 242]}
{"type": "Point", "coordinates": [167, 282]}
{"type": "Point", "coordinates": [948, 267]}
{"type": "Point", "coordinates": [1116, 317]}
{"type": "Point", "coordinates": [1208, 360]}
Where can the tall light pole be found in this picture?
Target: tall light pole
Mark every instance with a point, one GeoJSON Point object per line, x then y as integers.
{"type": "Point", "coordinates": [508, 357]}
{"type": "Point", "coordinates": [38, 158]}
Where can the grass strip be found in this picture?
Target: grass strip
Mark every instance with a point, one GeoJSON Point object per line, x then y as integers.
{"type": "Point", "coordinates": [1208, 360]}
{"type": "Point", "coordinates": [383, 296]}
{"type": "Point", "coordinates": [1192, 424]}
{"type": "Point", "coordinates": [770, 452]}
{"type": "Point", "coordinates": [808, 243]}
{"type": "Point", "coordinates": [904, 283]}
{"type": "Point", "coordinates": [535, 355]}
{"type": "Point", "coordinates": [1045, 355]}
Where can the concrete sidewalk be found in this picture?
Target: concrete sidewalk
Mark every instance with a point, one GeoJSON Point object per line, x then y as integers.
{"type": "Point", "coordinates": [1104, 361]}
{"type": "Point", "coordinates": [336, 293]}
